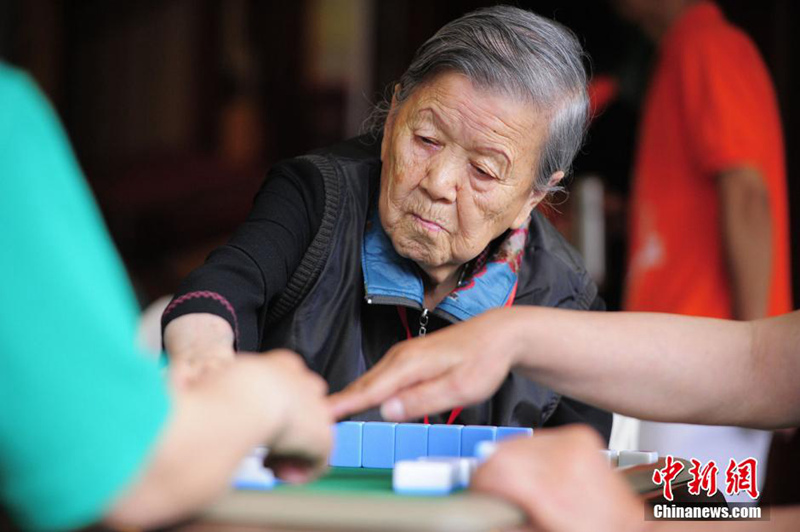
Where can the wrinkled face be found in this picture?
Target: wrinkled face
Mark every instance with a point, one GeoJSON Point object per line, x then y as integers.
{"type": "Point", "coordinates": [458, 170]}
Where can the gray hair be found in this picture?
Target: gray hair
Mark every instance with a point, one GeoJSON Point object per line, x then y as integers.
{"type": "Point", "coordinates": [521, 54]}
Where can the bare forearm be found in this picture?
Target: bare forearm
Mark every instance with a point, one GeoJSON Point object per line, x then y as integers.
{"type": "Point", "coordinates": [663, 367]}
{"type": "Point", "coordinates": [653, 366]}
{"type": "Point", "coordinates": [747, 238]}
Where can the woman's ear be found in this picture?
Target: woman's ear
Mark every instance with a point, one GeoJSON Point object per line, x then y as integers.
{"type": "Point", "coordinates": [534, 199]}
{"type": "Point", "coordinates": [555, 179]}
{"type": "Point", "coordinates": [387, 126]}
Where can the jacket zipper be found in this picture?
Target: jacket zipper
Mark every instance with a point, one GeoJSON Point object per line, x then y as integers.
{"type": "Point", "coordinates": [410, 303]}
{"type": "Point", "coordinates": [423, 322]}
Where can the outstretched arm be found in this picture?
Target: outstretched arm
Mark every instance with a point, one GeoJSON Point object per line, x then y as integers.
{"type": "Point", "coordinates": [653, 366]}
{"type": "Point", "coordinates": [668, 368]}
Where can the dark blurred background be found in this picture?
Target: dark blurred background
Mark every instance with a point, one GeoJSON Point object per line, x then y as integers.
{"type": "Point", "coordinates": [177, 108]}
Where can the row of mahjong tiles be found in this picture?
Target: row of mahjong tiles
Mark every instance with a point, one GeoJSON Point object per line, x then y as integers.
{"type": "Point", "coordinates": [381, 445]}
{"type": "Point", "coordinates": [426, 459]}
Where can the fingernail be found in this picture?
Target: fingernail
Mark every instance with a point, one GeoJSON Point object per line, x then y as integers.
{"type": "Point", "coordinates": [393, 410]}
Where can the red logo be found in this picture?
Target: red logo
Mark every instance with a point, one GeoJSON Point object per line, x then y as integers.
{"type": "Point", "coordinates": [742, 477]}
{"type": "Point", "coordinates": [665, 476]}
{"type": "Point", "coordinates": [704, 478]}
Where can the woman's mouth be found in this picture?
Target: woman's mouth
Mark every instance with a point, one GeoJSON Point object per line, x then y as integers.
{"type": "Point", "coordinates": [427, 224]}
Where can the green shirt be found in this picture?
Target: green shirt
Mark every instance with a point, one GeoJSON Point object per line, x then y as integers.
{"type": "Point", "coordinates": [80, 406]}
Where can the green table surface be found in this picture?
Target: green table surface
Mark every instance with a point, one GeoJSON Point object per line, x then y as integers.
{"type": "Point", "coordinates": [347, 480]}
{"type": "Point", "coordinates": [356, 499]}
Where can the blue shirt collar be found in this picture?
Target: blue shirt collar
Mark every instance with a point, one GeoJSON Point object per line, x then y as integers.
{"type": "Point", "coordinates": [391, 278]}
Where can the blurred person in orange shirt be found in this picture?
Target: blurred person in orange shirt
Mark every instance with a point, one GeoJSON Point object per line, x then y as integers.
{"type": "Point", "coordinates": [708, 220]}
{"type": "Point", "coordinates": [709, 216]}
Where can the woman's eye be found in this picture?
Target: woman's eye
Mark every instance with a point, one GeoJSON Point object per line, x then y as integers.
{"type": "Point", "coordinates": [427, 140]}
{"type": "Point", "coordinates": [480, 171]}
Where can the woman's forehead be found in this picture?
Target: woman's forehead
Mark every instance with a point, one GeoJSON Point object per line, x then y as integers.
{"type": "Point", "coordinates": [455, 106]}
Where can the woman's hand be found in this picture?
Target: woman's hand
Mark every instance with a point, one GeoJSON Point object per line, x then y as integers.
{"type": "Point", "coordinates": [559, 478]}
{"type": "Point", "coordinates": [457, 366]}
{"type": "Point", "coordinates": [197, 344]}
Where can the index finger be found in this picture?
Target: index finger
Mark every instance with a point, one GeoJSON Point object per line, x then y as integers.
{"type": "Point", "coordinates": [399, 369]}
{"type": "Point", "coordinates": [368, 391]}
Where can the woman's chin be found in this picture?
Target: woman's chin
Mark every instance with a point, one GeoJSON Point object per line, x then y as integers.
{"type": "Point", "coordinates": [419, 250]}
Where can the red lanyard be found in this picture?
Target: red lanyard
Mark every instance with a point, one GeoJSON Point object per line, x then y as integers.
{"type": "Point", "coordinates": [404, 319]}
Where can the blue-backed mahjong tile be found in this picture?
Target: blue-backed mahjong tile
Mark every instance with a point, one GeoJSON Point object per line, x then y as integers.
{"type": "Point", "coordinates": [472, 434]}
{"type": "Point", "coordinates": [377, 444]}
{"type": "Point", "coordinates": [504, 433]}
{"type": "Point", "coordinates": [410, 441]}
{"type": "Point", "coordinates": [347, 446]}
{"type": "Point", "coordinates": [444, 440]}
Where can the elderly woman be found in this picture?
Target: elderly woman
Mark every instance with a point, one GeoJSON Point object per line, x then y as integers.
{"type": "Point", "coordinates": [431, 221]}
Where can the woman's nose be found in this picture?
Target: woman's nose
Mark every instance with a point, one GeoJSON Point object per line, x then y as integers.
{"type": "Point", "coordinates": [441, 180]}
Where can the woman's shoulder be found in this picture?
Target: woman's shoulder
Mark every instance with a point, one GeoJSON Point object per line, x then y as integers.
{"type": "Point", "coordinates": [552, 270]}
{"type": "Point", "coordinates": [328, 176]}
{"type": "Point", "coordinates": [357, 158]}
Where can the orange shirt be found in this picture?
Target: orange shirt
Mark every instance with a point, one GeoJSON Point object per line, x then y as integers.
{"type": "Point", "coordinates": [710, 107]}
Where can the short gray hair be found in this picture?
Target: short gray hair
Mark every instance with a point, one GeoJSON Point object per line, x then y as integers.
{"type": "Point", "coordinates": [519, 53]}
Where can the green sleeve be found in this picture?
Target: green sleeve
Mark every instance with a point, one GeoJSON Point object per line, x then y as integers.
{"type": "Point", "coordinates": [81, 406]}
